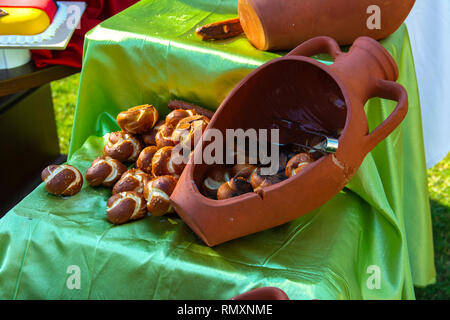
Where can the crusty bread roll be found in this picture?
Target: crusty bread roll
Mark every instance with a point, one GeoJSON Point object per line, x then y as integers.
{"type": "Point", "coordinates": [63, 179]}
{"type": "Point", "coordinates": [122, 146]}
{"type": "Point", "coordinates": [104, 171]}
{"type": "Point", "coordinates": [233, 188]}
{"type": "Point", "coordinates": [138, 120]}
{"type": "Point", "coordinates": [157, 192]}
{"type": "Point", "coordinates": [126, 206]}
{"type": "Point", "coordinates": [131, 180]}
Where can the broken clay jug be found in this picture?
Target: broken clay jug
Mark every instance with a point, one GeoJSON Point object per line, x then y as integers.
{"type": "Point", "coordinates": [317, 96]}
{"type": "Point", "coordinates": [282, 25]}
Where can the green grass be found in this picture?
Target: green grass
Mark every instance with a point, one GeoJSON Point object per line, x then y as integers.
{"type": "Point", "coordinates": [64, 94]}
{"type": "Point", "coordinates": [439, 189]}
{"type": "Point", "coordinates": [64, 99]}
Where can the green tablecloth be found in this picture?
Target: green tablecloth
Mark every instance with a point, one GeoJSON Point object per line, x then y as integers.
{"type": "Point", "coordinates": [148, 54]}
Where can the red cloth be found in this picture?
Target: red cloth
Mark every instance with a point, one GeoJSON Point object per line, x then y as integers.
{"type": "Point", "coordinates": [96, 11]}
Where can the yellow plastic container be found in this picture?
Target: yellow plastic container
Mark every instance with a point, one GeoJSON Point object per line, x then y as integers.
{"type": "Point", "coordinates": [24, 21]}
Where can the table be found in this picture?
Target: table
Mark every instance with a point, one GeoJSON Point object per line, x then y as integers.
{"type": "Point", "coordinates": [28, 76]}
{"type": "Point", "coordinates": [27, 123]}
{"type": "Point", "coordinates": [373, 240]}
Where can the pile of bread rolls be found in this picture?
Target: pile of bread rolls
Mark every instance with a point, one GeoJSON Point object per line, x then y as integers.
{"type": "Point", "coordinates": [224, 182]}
{"type": "Point", "coordinates": [139, 164]}
{"type": "Point", "coordinates": [144, 145]}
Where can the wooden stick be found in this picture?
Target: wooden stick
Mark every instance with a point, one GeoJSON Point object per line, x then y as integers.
{"type": "Point", "coordinates": [220, 30]}
{"type": "Point", "coordinates": [178, 104]}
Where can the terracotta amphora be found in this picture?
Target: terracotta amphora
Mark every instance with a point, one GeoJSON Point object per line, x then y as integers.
{"type": "Point", "coordinates": [282, 25]}
{"type": "Point", "coordinates": [317, 96]}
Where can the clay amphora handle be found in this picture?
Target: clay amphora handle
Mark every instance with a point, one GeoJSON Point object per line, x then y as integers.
{"type": "Point", "coordinates": [316, 46]}
{"type": "Point", "coordinates": [393, 91]}
{"type": "Point", "coordinates": [382, 88]}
